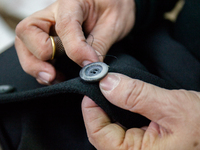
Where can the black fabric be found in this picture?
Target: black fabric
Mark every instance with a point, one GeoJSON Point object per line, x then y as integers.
{"type": "Point", "coordinates": [37, 118]}
{"type": "Point", "coordinates": [49, 117]}
{"type": "Point", "coordinates": [12, 73]}
{"type": "Point", "coordinates": [165, 57]}
{"type": "Point", "coordinates": [150, 11]}
{"type": "Point", "coordinates": [187, 27]}
{"type": "Point", "coordinates": [41, 117]}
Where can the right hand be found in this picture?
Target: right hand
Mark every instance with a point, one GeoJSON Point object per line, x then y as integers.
{"type": "Point", "coordinates": [174, 115]}
{"type": "Point", "coordinates": [107, 20]}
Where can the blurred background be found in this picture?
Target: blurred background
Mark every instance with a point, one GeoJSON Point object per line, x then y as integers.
{"type": "Point", "coordinates": [11, 12]}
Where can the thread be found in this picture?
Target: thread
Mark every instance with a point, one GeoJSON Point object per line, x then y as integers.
{"type": "Point", "coordinates": [102, 55]}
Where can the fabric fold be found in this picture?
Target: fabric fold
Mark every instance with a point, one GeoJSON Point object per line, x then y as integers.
{"type": "Point", "coordinates": [125, 64]}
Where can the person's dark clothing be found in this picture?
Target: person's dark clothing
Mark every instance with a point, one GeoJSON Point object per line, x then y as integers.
{"type": "Point", "coordinates": [35, 117]}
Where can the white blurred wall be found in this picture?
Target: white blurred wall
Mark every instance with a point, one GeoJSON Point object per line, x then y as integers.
{"type": "Point", "coordinates": [17, 9]}
{"type": "Point", "coordinates": [6, 36]}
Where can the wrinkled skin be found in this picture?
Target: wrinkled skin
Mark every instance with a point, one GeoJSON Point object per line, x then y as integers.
{"type": "Point", "coordinates": [174, 115]}
{"type": "Point", "coordinates": [106, 20]}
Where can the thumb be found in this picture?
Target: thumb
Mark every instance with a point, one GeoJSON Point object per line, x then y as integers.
{"type": "Point", "coordinates": [137, 96]}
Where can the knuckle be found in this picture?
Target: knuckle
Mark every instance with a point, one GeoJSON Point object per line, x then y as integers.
{"type": "Point", "coordinates": [134, 131]}
{"type": "Point", "coordinates": [62, 24]}
{"type": "Point", "coordinates": [43, 52]}
{"type": "Point", "coordinates": [19, 28]}
{"type": "Point", "coordinates": [134, 138]}
{"type": "Point", "coordinates": [43, 49]}
{"type": "Point", "coordinates": [91, 139]}
{"type": "Point", "coordinates": [59, 28]}
{"type": "Point", "coordinates": [22, 26]}
{"type": "Point", "coordinates": [17, 41]}
{"type": "Point", "coordinates": [179, 94]}
{"type": "Point", "coordinates": [135, 94]}
{"type": "Point", "coordinates": [27, 67]}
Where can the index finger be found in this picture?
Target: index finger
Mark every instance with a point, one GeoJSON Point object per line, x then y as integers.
{"type": "Point", "coordinates": [69, 20]}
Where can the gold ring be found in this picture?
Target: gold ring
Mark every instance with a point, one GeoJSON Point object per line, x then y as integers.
{"type": "Point", "coordinates": [54, 47]}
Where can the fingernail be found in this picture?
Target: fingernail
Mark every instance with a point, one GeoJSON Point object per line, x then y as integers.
{"type": "Point", "coordinates": [110, 82]}
{"type": "Point", "coordinates": [86, 62]}
{"type": "Point", "coordinates": [45, 77]}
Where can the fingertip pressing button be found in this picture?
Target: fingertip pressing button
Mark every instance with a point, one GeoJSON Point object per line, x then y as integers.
{"type": "Point", "coordinates": [94, 72]}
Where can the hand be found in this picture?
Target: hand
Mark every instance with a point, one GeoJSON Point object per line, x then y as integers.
{"type": "Point", "coordinates": [174, 115]}
{"type": "Point", "coordinates": [106, 20]}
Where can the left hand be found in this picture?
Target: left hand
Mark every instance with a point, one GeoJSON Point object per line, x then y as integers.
{"type": "Point", "coordinates": [73, 21]}
{"type": "Point", "coordinates": [174, 115]}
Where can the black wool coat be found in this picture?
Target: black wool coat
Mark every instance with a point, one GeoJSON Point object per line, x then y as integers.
{"type": "Point", "coordinates": [37, 117]}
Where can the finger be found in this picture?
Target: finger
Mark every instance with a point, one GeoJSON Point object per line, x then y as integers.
{"type": "Point", "coordinates": [70, 18]}
{"type": "Point", "coordinates": [41, 70]}
{"type": "Point", "coordinates": [111, 26]}
{"type": "Point", "coordinates": [148, 100]}
{"type": "Point", "coordinates": [105, 135]}
{"type": "Point", "coordinates": [34, 33]}
{"type": "Point", "coordinates": [101, 38]}
{"type": "Point", "coordinates": [101, 132]}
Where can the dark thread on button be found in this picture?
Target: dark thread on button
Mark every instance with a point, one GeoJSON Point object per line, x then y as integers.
{"type": "Point", "coordinates": [94, 72]}
{"type": "Point", "coordinates": [91, 71]}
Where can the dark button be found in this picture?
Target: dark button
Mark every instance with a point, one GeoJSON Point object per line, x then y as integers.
{"type": "Point", "coordinates": [94, 72]}
{"type": "Point", "coordinates": [6, 89]}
